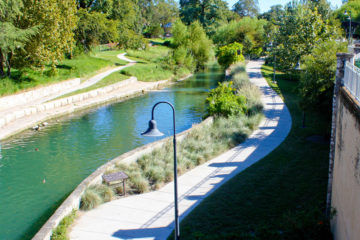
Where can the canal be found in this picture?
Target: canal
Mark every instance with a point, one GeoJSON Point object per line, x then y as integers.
{"type": "Point", "coordinates": [38, 170]}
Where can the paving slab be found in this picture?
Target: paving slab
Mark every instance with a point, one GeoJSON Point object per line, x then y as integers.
{"type": "Point", "coordinates": [151, 215]}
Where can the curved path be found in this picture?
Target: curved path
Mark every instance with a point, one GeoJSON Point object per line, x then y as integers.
{"type": "Point", "coordinates": [151, 215]}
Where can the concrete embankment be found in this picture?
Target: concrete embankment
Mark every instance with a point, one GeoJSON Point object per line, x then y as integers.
{"type": "Point", "coordinates": [25, 118]}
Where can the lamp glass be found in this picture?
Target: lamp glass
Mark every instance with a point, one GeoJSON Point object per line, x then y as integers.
{"type": "Point", "coordinates": [152, 131]}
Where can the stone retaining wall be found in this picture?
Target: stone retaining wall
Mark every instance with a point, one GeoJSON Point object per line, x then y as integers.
{"type": "Point", "coordinates": [4, 120]}
{"type": "Point", "coordinates": [73, 200]}
{"type": "Point", "coordinates": [25, 97]}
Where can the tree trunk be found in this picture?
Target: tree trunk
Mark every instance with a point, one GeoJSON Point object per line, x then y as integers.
{"type": "Point", "coordinates": [8, 63]}
{"type": "Point", "coordinates": [2, 73]}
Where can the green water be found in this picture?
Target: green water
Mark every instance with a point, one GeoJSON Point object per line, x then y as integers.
{"type": "Point", "coordinates": [39, 169]}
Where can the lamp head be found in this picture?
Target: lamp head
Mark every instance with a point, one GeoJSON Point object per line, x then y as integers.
{"type": "Point", "coordinates": [152, 131]}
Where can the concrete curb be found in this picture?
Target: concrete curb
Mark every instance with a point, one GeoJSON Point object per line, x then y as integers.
{"type": "Point", "coordinates": [73, 200]}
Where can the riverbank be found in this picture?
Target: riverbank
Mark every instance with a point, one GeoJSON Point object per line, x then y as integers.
{"type": "Point", "coordinates": [33, 108]}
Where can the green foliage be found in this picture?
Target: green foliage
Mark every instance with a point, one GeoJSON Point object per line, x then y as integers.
{"type": "Point", "coordinates": [148, 72]}
{"type": "Point", "coordinates": [25, 78]}
{"type": "Point", "coordinates": [210, 13]}
{"type": "Point", "coordinates": [301, 28]}
{"type": "Point", "coordinates": [317, 79]}
{"type": "Point", "coordinates": [223, 101]}
{"type": "Point", "coordinates": [94, 28]}
{"type": "Point", "coordinates": [247, 8]}
{"type": "Point", "coordinates": [95, 195]}
{"type": "Point", "coordinates": [57, 21]}
{"type": "Point", "coordinates": [194, 40]}
{"type": "Point", "coordinates": [250, 32]}
{"type": "Point", "coordinates": [245, 88]}
{"type": "Point", "coordinates": [61, 231]}
{"type": "Point", "coordinates": [230, 54]}
{"type": "Point", "coordinates": [90, 199]}
{"type": "Point", "coordinates": [11, 36]}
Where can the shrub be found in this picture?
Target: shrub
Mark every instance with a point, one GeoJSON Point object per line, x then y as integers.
{"type": "Point", "coordinates": [105, 192]}
{"type": "Point", "coordinates": [230, 54]}
{"type": "Point", "coordinates": [90, 199]}
{"type": "Point", "coordinates": [224, 102]}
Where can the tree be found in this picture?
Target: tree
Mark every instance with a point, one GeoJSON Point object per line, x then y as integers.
{"type": "Point", "coordinates": [210, 13]}
{"type": "Point", "coordinates": [57, 20]}
{"type": "Point", "coordinates": [299, 30]}
{"type": "Point", "coordinates": [94, 28]}
{"type": "Point", "coordinates": [317, 79]}
{"type": "Point", "coordinates": [193, 39]}
{"type": "Point", "coordinates": [230, 54]}
{"type": "Point", "coordinates": [246, 8]}
{"type": "Point", "coordinates": [11, 37]}
{"type": "Point", "coordinates": [250, 32]}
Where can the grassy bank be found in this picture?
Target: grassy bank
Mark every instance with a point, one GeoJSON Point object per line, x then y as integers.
{"type": "Point", "coordinates": [81, 66]}
{"type": "Point", "coordinates": [280, 197]}
{"type": "Point", "coordinates": [109, 80]}
{"type": "Point", "coordinates": [152, 65]}
{"type": "Point", "coordinates": [203, 143]}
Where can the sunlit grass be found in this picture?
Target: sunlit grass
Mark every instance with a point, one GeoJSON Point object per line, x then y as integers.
{"type": "Point", "coordinates": [80, 66]}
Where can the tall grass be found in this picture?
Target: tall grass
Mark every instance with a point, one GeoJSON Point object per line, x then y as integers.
{"type": "Point", "coordinates": [61, 231]}
{"type": "Point", "coordinates": [245, 88]}
{"type": "Point", "coordinates": [96, 195]}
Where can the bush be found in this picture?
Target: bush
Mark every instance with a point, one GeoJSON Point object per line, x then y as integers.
{"type": "Point", "coordinates": [230, 54]}
{"type": "Point", "coordinates": [90, 199]}
{"type": "Point", "coordinates": [224, 102]}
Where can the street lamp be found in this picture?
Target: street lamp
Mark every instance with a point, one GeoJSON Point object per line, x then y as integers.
{"type": "Point", "coordinates": [153, 131]}
{"type": "Point", "coordinates": [346, 13]}
{"type": "Point", "coordinates": [274, 62]}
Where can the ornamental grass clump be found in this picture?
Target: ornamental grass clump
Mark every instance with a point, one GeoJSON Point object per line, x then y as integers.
{"type": "Point", "coordinates": [96, 195]}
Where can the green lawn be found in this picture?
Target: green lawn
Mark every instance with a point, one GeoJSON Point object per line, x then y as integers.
{"type": "Point", "coordinates": [112, 56]}
{"type": "Point", "coordinates": [280, 197]}
{"type": "Point", "coordinates": [111, 79]}
{"type": "Point", "coordinates": [81, 66]}
{"type": "Point", "coordinates": [148, 72]}
{"type": "Point", "coordinates": [152, 65]}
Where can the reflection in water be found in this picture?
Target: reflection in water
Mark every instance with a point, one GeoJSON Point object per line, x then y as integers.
{"type": "Point", "coordinates": [66, 152]}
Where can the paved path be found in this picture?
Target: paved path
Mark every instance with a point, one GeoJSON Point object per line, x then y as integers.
{"type": "Point", "coordinates": [151, 215]}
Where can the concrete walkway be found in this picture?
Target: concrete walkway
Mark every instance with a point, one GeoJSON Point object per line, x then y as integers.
{"type": "Point", "coordinates": [151, 215]}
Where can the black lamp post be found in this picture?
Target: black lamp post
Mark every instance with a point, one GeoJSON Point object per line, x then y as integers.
{"type": "Point", "coordinates": [153, 131]}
